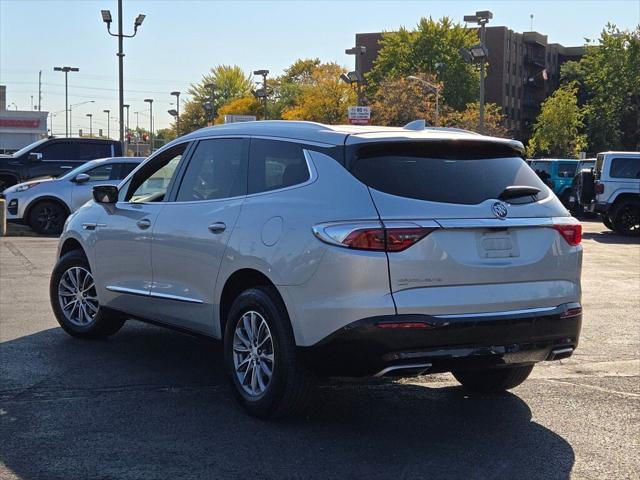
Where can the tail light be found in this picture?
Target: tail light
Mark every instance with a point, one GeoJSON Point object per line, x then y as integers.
{"type": "Point", "coordinates": [572, 233]}
{"type": "Point", "coordinates": [374, 236]}
{"type": "Point", "coordinates": [599, 188]}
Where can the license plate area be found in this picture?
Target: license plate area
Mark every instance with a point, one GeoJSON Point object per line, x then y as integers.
{"type": "Point", "coordinates": [501, 243]}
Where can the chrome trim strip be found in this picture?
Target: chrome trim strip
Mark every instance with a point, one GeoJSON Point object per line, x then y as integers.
{"type": "Point", "coordinates": [497, 314]}
{"type": "Point", "coordinates": [177, 298]}
{"type": "Point", "coordinates": [412, 366]}
{"type": "Point", "coordinates": [505, 222]}
{"type": "Point", "coordinates": [132, 291]}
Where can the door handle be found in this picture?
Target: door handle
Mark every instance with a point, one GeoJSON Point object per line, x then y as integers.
{"type": "Point", "coordinates": [217, 227]}
{"type": "Point", "coordinates": [143, 224]}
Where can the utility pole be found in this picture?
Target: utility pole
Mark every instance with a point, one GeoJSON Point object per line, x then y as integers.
{"type": "Point", "coordinates": [40, 90]}
{"type": "Point", "coordinates": [106, 18]}
{"type": "Point", "coordinates": [66, 71]}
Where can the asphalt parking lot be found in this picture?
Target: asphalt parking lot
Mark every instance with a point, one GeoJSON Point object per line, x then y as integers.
{"type": "Point", "coordinates": [153, 403]}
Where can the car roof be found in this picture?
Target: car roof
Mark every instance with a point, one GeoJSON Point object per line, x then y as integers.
{"type": "Point", "coordinates": [338, 134]}
{"type": "Point", "coordinates": [558, 160]}
{"type": "Point", "coordinates": [98, 161]}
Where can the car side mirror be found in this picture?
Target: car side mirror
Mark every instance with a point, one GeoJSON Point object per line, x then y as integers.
{"type": "Point", "coordinates": [35, 157]}
{"type": "Point", "coordinates": [81, 178]}
{"type": "Point", "coordinates": [105, 194]}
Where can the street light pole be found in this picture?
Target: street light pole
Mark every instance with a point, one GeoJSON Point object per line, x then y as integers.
{"type": "Point", "coordinates": [263, 74]}
{"type": "Point", "coordinates": [127, 127]}
{"type": "Point", "coordinates": [150, 102]}
{"type": "Point", "coordinates": [358, 51]}
{"type": "Point", "coordinates": [177, 95]}
{"type": "Point", "coordinates": [481, 18]}
{"type": "Point", "coordinates": [435, 89]}
{"type": "Point", "coordinates": [108, 131]}
{"type": "Point", "coordinates": [106, 18]}
{"type": "Point", "coordinates": [90, 115]}
{"type": "Point", "coordinates": [66, 71]}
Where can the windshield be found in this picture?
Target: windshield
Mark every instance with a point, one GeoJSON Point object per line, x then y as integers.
{"type": "Point", "coordinates": [24, 150]}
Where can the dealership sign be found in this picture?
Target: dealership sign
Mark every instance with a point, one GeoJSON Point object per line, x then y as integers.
{"type": "Point", "coordinates": [359, 115]}
{"type": "Point", "coordinates": [19, 123]}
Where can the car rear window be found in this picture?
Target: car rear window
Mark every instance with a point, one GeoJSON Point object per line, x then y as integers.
{"type": "Point", "coordinates": [625, 167]}
{"type": "Point", "coordinates": [449, 174]}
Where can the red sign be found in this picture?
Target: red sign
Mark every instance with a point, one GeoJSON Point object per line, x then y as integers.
{"type": "Point", "coordinates": [15, 123]}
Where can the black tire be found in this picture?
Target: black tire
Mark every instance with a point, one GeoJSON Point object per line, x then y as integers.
{"type": "Point", "coordinates": [607, 222]}
{"type": "Point", "coordinates": [494, 379]}
{"type": "Point", "coordinates": [102, 324]}
{"type": "Point", "coordinates": [47, 217]}
{"type": "Point", "coordinates": [626, 218]}
{"type": "Point", "coordinates": [287, 390]}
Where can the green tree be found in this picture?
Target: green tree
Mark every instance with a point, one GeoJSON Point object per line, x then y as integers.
{"type": "Point", "coordinates": [230, 83]}
{"type": "Point", "coordinates": [469, 117]}
{"type": "Point", "coordinates": [558, 126]}
{"type": "Point", "coordinates": [399, 101]}
{"type": "Point", "coordinates": [609, 80]}
{"type": "Point", "coordinates": [431, 49]}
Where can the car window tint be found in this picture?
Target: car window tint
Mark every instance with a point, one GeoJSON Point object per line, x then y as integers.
{"type": "Point", "coordinates": [276, 164]}
{"type": "Point", "coordinates": [150, 184]}
{"type": "Point", "coordinates": [125, 169]}
{"type": "Point", "coordinates": [101, 173]}
{"type": "Point", "coordinates": [566, 169]}
{"type": "Point", "coordinates": [447, 175]}
{"type": "Point", "coordinates": [625, 167]}
{"type": "Point", "coordinates": [54, 151]}
{"type": "Point", "coordinates": [217, 169]}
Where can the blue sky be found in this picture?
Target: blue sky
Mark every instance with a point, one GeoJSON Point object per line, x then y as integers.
{"type": "Point", "coordinates": [181, 40]}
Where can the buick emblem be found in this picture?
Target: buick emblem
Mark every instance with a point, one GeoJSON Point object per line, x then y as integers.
{"type": "Point", "coordinates": [499, 209]}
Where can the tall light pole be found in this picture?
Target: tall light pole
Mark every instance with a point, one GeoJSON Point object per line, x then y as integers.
{"type": "Point", "coordinates": [127, 107]}
{"type": "Point", "coordinates": [434, 88]}
{"type": "Point", "coordinates": [481, 18]}
{"type": "Point", "coordinates": [108, 130]}
{"type": "Point", "coordinates": [262, 94]}
{"type": "Point", "coordinates": [177, 95]}
{"type": "Point", "coordinates": [66, 71]}
{"type": "Point", "coordinates": [90, 115]}
{"type": "Point", "coordinates": [358, 51]}
{"type": "Point", "coordinates": [71, 111]}
{"type": "Point", "coordinates": [106, 18]}
{"type": "Point", "coordinates": [210, 106]}
{"type": "Point", "coordinates": [150, 102]}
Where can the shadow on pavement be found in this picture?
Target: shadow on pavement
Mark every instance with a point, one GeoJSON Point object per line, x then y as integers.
{"type": "Point", "coordinates": [152, 403]}
{"type": "Point", "coordinates": [609, 237]}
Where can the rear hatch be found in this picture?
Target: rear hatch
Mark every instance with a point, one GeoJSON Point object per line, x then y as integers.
{"type": "Point", "coordinates": [491, 235]}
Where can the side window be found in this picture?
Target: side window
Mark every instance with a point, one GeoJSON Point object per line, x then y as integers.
{"type": "Point", "coordinates": [54, 151]}
{"type": "Point", "coordinates": [150, 184]}
{"type": "Point", "coordinates": [542, 169]}
{"type": "Point", "coordinates": [276, 164]}
{"type": "Point", "coordinates": [567, 169]}
{"type": "Point", "coordinates": [625, 168]}
{"type": "Point", "coordinates": [124, 170]}
{"type": "Point", "coordinates": [101, 173]}
{"type": "Point", "coordinates": [217, 169]}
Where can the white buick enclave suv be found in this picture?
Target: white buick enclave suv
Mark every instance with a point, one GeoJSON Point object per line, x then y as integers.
{"type": "Point", "coordinates": [334, 251]}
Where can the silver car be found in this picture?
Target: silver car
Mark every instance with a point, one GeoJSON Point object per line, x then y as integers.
{"type": "Point", "coordinates": [335, 251]}
{"type": "Point", "coordinates": [44, 204]}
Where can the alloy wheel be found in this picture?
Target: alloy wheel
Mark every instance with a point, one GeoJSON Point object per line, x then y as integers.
{"type": "Point", "coordinates": [77, 296]}
{"type": "Point", "coordinates": [48, 219]}
{"type": "Point", "coordinates": [253, 357]}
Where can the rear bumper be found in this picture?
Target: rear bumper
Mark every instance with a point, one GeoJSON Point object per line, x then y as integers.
{"type": "Point", "coordinates": [445, 343]}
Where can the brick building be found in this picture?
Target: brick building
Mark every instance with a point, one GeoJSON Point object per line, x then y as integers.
{"type": "Point", "coordinates": [523, 70]}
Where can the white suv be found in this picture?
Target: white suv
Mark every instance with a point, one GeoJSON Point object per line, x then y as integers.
{"type": "Point", "coordinates": [335, 251]}
{"type": "Point", "coordinates": [617, 191]}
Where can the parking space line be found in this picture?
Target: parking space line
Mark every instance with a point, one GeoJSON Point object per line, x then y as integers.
{"type": "Point", "coordinates": [594, 387]}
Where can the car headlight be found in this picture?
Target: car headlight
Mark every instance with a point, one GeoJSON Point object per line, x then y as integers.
{"type": "Point", "coordinates": [26, 186]}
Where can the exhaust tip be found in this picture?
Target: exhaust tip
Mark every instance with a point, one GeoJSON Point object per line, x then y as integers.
{"type": "Point", "coordinates": [407, 370]}
{"type": "Point", "coordinates": [560, 353]}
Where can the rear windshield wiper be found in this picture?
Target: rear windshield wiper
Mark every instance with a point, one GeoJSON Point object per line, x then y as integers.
{"type": "Point", "coordinates": [517, 191]}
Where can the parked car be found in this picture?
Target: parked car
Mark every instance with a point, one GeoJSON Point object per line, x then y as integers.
{"type": "Point", "coordinates": [52, 157]}
{"type": "Point", "coordinates": [333, 251]}
{"type": "Point", "coordinates": [576, 185]}
{"type": "Point", "coordinates": [45, 204]}
{"type": "Point", "coordinates": [558, 173]}
{"type": "Point", "coordinates": [613, 191]}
